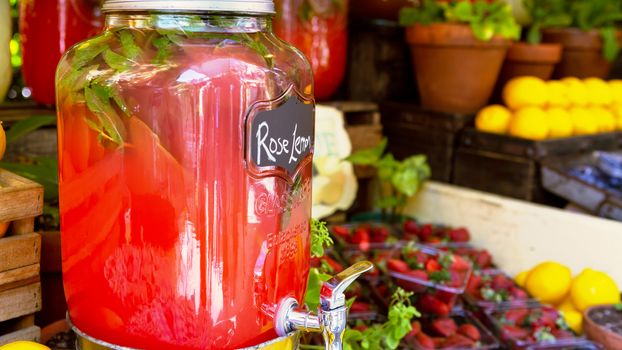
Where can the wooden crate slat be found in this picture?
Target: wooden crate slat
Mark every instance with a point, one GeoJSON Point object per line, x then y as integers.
{"type": "Point", "coordinates": [19, 274]}
{"type": "Point", "coordinates": [19, 251]}
{"type": "Point", "coordinates": [20, 301]}
{"type": "Point", "coordinates": [19, 198]}
{"type": "Point", "coordinates": [32, 333]}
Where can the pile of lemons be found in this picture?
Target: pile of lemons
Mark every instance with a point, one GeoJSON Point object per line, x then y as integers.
{"type": "Point", "coordinates": [537, 110]}
{"type": "Point", "coordinates": [552, 283]}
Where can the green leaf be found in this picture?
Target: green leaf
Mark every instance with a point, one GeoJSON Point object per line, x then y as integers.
{"type": "Point", "coordinates": [116, 61]}
{"type": "Point", "coordinates": [163, 44]}
{"type": "Point", "coordinates": [43, 170]}
{"type": "Point", "coordinates": [98, 101]}
{"type": "Point", "coordinates": [86, 52]}
{"type": "Point", "coordinates": [618, 307]}
{"type": "Point", "coordinates": [369, 156]}
{"type": "Point", "coordinates": [26, 126]}
{"type": "Point", "coordinates": [128, 44]}
{"type": "Point", "coordinates": [440, 276]}
{"type": "Point", "coordinates": [320, 238]}
{"type": "Point", "coordinates": [314, 285]}
{"type": "Point", "coordinates": [611, 47]}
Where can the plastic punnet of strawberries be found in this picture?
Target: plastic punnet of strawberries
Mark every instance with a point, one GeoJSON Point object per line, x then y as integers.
{"type": "Point", "coordinates": [437, 278]}
{"type": "Point", "coordinates": [455, 332]}
{"type": "Point", "coordinates": [363, 236]}
{"type": "Point", "coordinates": [521, 327]}
{"type": "Point", "coordinates": [492, 288]}
{"type": "Point", "coordinates": [430, 234]}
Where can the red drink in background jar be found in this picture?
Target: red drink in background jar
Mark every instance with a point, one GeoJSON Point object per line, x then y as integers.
{"type": "Point", "coordinates": [48, 28]}
{"type": "Point", "coordinates": [318, 28]}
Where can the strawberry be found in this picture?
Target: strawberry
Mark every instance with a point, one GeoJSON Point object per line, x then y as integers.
{"type": "Point", "coordinates": [444, 326]}
{"type": "Point", "coordinates": [361, 328]}
{"type": "Point", "coordinates": [360, 307]}
{"type": "Point", "coordinates": [431, 304]}
{"type": "Point", "coordinates": [438, 341]}
{"type": "Point", "coordinates": [337, 267]}
{"type": "Point", "coordinates": [515, 315]}
{"type": "Point", "coordinates": [483, 259]}
{"type": "Point", "coordinates": [382, 289]}
{"type": "Point", "coordinates": [426, 233]}
{"type": "Point", "coordinates": [397, 265]}
{"type": "Point", "coordinates": [460, 264]}
{"type": "Point", "coordinates": [457, 279]}
{"type": "Point", "coordinates": [562, 334]}
{"type": "Point", "coordinates": [411, 226]}
{"type": "Point", "coordinates": [470, 331]}
{"type": "Point", "coordinates": [418, 274]}
{"type": "Point", "coordinates": [432, 266]}
{"type": "Point", "coordinates": [518, 294]}
{"type": "Point", "coordinates": [379, 234]}
{"type": "Point", "coordinates": [425, 341]}
{"type": "Point", "coordinates": [341, 231]}
{"type": "Point", "coordinates": [415, 328]}
{"type": "Point", "coordinates": [501, 282]}
{"type": "Point", "coordinates": [474, 283]}
{"type": "Point", "coordinates": [514, 332]}
{"type": "Point", "coordinates": [457, 340]}
{"type": "Point", "coordinates": [361, 238]}
{"type": "Point", "coordinates": [460, 235]}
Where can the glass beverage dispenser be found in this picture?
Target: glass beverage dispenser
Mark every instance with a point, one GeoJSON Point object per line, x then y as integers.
{"type": "Point", "coordinates": [186, 133]}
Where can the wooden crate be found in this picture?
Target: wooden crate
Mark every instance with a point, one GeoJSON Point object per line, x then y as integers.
{"type": "Point", "coordinates": [411, 130]}
{"type": "Point", "coordinates": [511, 166]}
{"type": "Point", "coordinates": [21, 200]}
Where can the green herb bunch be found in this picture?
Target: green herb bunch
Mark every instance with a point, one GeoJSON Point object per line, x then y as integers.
{"type": "Point", "coordinates": [600, 15]}
{"type": "Point", "coordinates": [487, 19]}
{"type": "Point", "coordinates": [398, 180]}
{"type": "Point", "coordinates": [387, 335]}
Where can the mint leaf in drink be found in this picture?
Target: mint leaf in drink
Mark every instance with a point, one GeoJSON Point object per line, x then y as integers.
{"type": "Point", "coordinates": [128, 44]}
{"type": "Point", "coordinates": [116, 61]}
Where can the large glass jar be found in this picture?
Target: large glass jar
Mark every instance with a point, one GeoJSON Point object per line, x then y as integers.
{"type": "Point", "coordinates": [318, 28]}
{"type": "Point", "coordinates": [5, 54]}
{"type": "Point", "coordinates": [48, 28]}
{"type": "Point", "coordinates": [185, 157]}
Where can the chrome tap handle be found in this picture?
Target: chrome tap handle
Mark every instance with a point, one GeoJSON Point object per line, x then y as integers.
{"type": "Point", "coordinates": [333, 313]}
{"type": "Point", "coordinates": [332, 294]}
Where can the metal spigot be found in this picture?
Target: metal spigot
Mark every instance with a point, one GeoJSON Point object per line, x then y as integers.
{"type": "Point", "coordinates": [332, 315]}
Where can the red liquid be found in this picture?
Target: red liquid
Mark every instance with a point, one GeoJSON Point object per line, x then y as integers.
{"type": "Point", "coordinates": [48, 28]}
{"type": "Point", "coordinates": [323, 38]}
{"type": "Point", "coordinates": [169, 241]}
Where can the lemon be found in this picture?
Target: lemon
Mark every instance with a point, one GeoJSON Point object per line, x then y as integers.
{"type": "Point", "coordinates": [574, 319]}
{"type": "Point", "coordinates": [549, 282]}
{"type": "Point", "coordinates": [566, 304]}
{"type": "Point", "coordinates": [604, 118]}
{"type": "Point", "coordinates": [493, 119]}
{"type": "Point", "coordinates": [521, 278]}
{"type": "Point", "coordinates": [525, 92]}
{"type": "Point", "coordinates": [576, 92]}
{"type": "Point", "coordinates": [616, 91]}
{"type": "Point", "coordinates": [530, 123]}
{"type": "Point", "coordinates": [558, 94]}
{"type": "Point", "coordinates": [593, 288]}
{"type": "Point", "coordinates": [616, 109]}
{"type": "Point", "coordinates": [24, 345]}
{"type": "Point", "coordinates": [598, 92]}
{"type": "Point", "coordinates": [559, 123]}
{"type": "Point", "coordinates": [583, 121]}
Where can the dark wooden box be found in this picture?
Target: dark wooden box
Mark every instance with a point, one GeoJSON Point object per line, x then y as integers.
{"type": "Point", "coordinates": [511, 166]}
{"type": "Point", "coordinates": [411, 130]}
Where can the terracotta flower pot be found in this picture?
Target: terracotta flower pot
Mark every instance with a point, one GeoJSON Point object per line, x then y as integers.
{"type": "Point", "coordinates": [582, 55]}
{"type": "Point", "coordinates": [455, 71]}
{"type": "Point", "coordinates": [525, 59]}
{"type": "Point", "coordinates": [598, 332]}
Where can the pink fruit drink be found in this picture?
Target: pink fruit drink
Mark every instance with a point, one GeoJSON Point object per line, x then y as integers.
{"type": "Point", "coordinates": [184, 213]}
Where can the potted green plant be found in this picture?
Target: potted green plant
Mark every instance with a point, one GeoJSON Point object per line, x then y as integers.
{"type": "Point", "coordinates": [532, 57]}
{"type": "Point", "coordinates": [590, 40]}
{"type": "Point", "coordinates": [458, 48]}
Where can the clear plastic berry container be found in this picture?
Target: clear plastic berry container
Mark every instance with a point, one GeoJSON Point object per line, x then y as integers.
{"type": "Point", "coordinates": [531, 327]}
{"type": "Point", "coordinates": [437, 278]}
{"type": "Point", "coordinates": [481, 258]}
{"type": "Point", "coordinates": [366, 236]}
{"type": "Point", "coordinates": [460, 331]}
{"type": "Point", "coordinates": [577, 345]}
{"type": "Point", "coordinates": [492, 289]}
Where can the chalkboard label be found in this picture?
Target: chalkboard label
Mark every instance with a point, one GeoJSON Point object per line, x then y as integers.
{"type": "Point", "coordinates": [282, 137]}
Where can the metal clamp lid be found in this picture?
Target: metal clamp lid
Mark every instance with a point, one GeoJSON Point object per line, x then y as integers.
{"type": "Point", "coordinates": [238, 6]}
